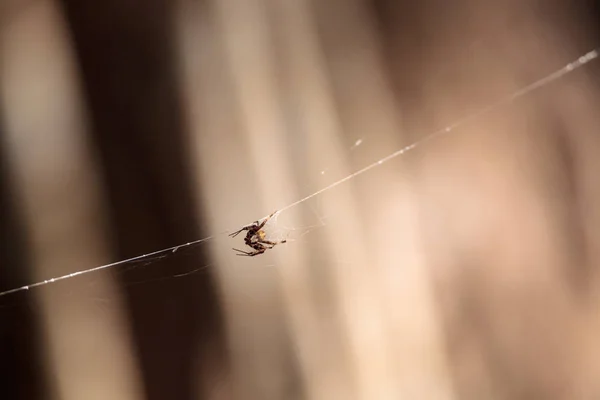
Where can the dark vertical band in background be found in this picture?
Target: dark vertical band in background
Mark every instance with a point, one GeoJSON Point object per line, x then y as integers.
{"type": "Point", "coordinates": [21, 368]}
{"type": "Point", "coordinates": [127, 60]}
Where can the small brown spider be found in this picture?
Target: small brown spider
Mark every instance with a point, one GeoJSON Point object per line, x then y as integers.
{"type": "Point", "coordinates": [255, 238]}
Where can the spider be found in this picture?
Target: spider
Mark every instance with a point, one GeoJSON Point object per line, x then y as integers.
{"type": "Point", "coordinates": [255, 238]}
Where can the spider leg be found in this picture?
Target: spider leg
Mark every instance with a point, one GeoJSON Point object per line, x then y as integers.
{"type": "Point", "coordinates": [248, 253]}
{"type": "Point", "coordinates": [272, 244]}
{"type": "Point", "coordinates": [255, 225]}
{"type": "Point", "coordinates": [242, 252]}
{"type": "Point", "coordinates": [234, 234]}
{"type": "Point", "coordinates": [262, 224]}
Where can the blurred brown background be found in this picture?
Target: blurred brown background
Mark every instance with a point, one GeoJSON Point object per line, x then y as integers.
{"type": "Point", "coordinates": [465, 269]}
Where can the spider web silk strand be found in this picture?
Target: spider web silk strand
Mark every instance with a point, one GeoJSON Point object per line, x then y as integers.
{"type": "Point", "coordinates": [572, 66]}
{"type": "Point", "coordinates": [584, 59]}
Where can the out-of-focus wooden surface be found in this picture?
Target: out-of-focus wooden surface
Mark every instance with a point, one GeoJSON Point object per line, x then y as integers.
{"type": "Point", "coordinates": [466, 269]}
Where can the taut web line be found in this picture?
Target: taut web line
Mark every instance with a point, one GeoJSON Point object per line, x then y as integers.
{"type": "Point", "coordinates": [579, 62]}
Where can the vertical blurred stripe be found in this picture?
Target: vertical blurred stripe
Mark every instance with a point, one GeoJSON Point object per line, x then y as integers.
{"type": "Point", "coordinates": [87, 349]}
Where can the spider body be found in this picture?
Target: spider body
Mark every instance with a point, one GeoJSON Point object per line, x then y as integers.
{"type": "Point", "coordinates": [255, 238]}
